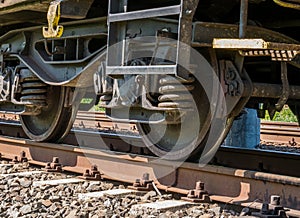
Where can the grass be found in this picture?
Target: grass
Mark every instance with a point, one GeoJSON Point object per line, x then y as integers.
{"type": "Point", "coordinates": [286, 115]}
{"type": "Point", "coordinates": [89, 101]}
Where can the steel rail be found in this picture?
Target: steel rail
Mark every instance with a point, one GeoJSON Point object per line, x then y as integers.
{"type": "Point", "coordinates": [256, 165]}
{"type": "Point", "coordinates": [277, 132]}
{"type": "Point", "coordinates": [270, 161]}
{"type": "Point", "coordinates": [224, 184]}
{"type": "Point", "coordinates": [280, 132]}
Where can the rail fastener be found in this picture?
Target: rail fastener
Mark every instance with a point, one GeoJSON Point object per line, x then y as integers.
{"type": "Point", "coordinates": [54, 166]}
{"type": "Point", "coordinates": [197, 195]}
{"type": "Point", "coordinates": [143, 184]}
{"type": "Point", "coordinates": [271, 210]}
{"type": "Point", "coordinates": [91, 174]}
{"type": "Point", "coordinates": [20, 159]}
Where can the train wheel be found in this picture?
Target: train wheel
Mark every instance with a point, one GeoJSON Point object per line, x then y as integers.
{"type": "Point", "coordinates": [54, 121]}
{"type": "Point", "coordinates": [179, 141]}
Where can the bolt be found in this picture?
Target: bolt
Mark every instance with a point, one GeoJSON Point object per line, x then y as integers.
{"type": "Point", "coordinates": [191, 194]}
{"type": "Point", "coordinates": [188, 12]}
{"type": "Point", "coordinates": [94, 168]}
{"type": "Point", "coordinates": [55, 160]}
{"type": "Point", "coordinates": [23, 157]}
{"type": "Point", "coordinates": [98, 125]}
{"type": "Point", "coordinates": [275, 200]}
{"type": "Point", "coordinates": [145, 176]}
{"type": "Point", "coordinates": [199, 185]}
{"type": "Point", "coordinates": [48, 165]}
{"type": "Point", "coordinates": [140, 79]}
{"type": "Point", "coordinates": [87, 173]}
{"type": "Point", "coordinates": [15, 160]}
{"type": "Point", "coordinates": [22, 154]}
{"type": "Point", "coordinates": [137, 183]}
{"type": "Point", "coordinates": [293, 142]}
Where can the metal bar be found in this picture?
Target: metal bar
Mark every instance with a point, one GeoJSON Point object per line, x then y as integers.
{"type": "Point", "coordinates": [171, 69]}
{"type": "Point", "coordinates": [243, 18]}
{"type": "Point", "coordinates": [245, 44]}
{"type": "Point", "coordinates": [142, 14]}
{"type": "Point", "coordinates": [240, 44]}
{"type": "Point", "coordinates": [239, 59]}
{"type": "Point", "coordinates": [266, 90]}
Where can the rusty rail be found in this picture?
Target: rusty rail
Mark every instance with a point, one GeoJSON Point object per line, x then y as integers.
{"type": "Point", "coordinates": [270, 131]}
{"type": "Point", "coordinates": [243, 187]}
{"type": "Point", "coordinates": [249, 175]}
{"type": "Point", "coordinates": [270, 161]}
{"type": "Point", "coordinates": [280, 132]}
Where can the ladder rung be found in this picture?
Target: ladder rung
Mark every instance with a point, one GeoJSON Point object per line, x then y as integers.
{"type": "Point", "coordinates": [142, 14]}
{"type": "Point", "coordinates": [144, 70]}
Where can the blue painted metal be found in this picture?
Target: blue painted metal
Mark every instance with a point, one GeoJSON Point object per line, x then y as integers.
{"type": "Point", "coordinates": [245, 131]}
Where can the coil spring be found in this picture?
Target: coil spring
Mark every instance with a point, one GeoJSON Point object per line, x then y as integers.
{"type": "Point", "coordinates": [33, 91]}
{"type": "Point", "coordinates": [176, 94]}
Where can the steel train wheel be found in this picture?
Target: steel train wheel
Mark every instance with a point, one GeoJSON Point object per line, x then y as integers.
{"type": "Point", "coordinates": [53, 122]}
{"type": "Point", "coordinates": [194, 139]}
{"type": "Point", "coordinates": [179, 141]}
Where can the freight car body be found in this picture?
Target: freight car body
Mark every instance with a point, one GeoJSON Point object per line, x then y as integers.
{"type": "Point", "coordinates": [182, 69]}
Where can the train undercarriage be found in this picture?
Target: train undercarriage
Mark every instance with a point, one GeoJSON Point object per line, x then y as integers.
{"type": "Point", "coordinates": [183, 70]}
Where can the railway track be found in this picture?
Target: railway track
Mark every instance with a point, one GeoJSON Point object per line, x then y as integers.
{"type": "Point", "coordinates": [108, 137]}
{"type": "Point", "coordinates": [99, 120]}
{"type": "Point", "coordinates": [251, 175]}
{"type": "Point", "coordinates": [276, 132]}
{"type": "Point", "coordinates": [243, 187]}
{"type": "Point", "coordinates": [287, 133]}
{"type": "Point", "coordinates": [280, 132]}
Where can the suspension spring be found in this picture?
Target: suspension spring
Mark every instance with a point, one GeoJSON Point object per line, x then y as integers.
{"type": "Point", "coordinates": [33, 91]}
{"type": "Point", "coordinates": [176, 93]}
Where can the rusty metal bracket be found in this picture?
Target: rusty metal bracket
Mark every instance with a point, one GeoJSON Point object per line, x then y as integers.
{"type": "Point", "coordinates": [21, 158]}
{"type": "Point", "coordinates": [91, 174]}
{"type": "Point", "coordinates": [143, 184]}
{"type": "Point", "coordinates": [53, 30]}
{"type": "Point", "coordinates": [54, 166]}
{"type": "Point", "coordinates": [272, 210]}
{"type": "Point", "coordinates": [198, 195]}
{"type": "Point", "coordinates": [232, 83]}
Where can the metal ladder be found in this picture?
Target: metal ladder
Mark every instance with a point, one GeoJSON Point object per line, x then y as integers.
{"type": "Point", "coordinates": [119, 17]}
